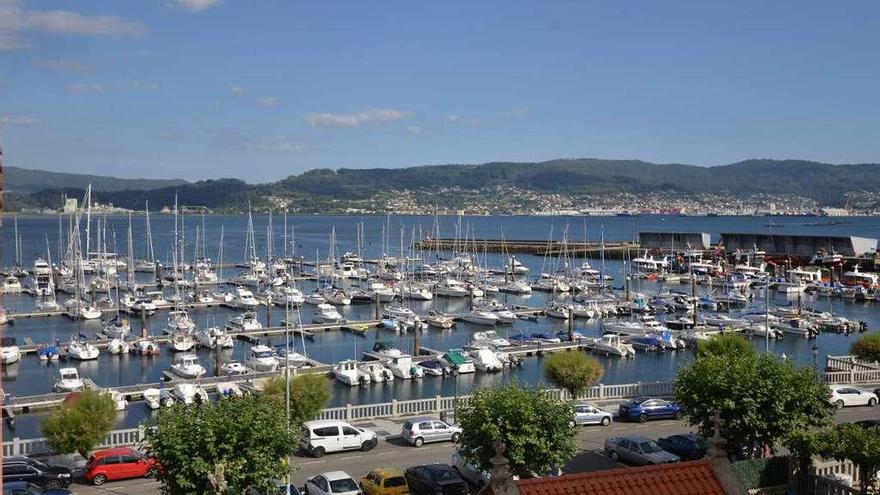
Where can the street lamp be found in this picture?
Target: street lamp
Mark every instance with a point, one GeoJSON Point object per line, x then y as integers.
{"type": "Point", "coordinates": [815, 358]}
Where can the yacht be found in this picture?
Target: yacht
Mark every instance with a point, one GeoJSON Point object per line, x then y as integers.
{"type": "Point", "coordinates": [261, 358]}
{"type": "Point", "coordinates": [402, 367]}
{"type": "Point", "coordinates": [335, 296]}
{"type": "Point", "coordinates": [315, 298]}
{"type": "Point", "coordinates": [439, 320]}
{"type": "Point", "coordinates": [326, 313]}
{"type": "Point", "coordinates": [450, 287]}
{"type": "Point", "coordinates": [490, 337]}
{"type": "Point", "coordinates": [182, 341]}
{"type": "Point", "coordinates": [611, 344]}
{"type": "Point", "coordinates": [516, 287]}
{"type": "Point", "coordinates": [11, 285]}
{"type": "Point", "coordinates": [416, 292]}
{"type": "Point", "coordinates": [480, 317]}
{"type": "Point", "coordinates": [504, 314]}
{"type": "Point", "coordinates": [243, 298]}
{"type": "Point", "coordinates": [648, 264]}
{"type": "Point", "coordinates": [180, 321]}
{"type": "Point", "coordinates": [146, 346]}
{"type": "Point", "coordinates": [116, 328]}
{"type": "Point", "coordinates": [288, 295]}
{"type": "Point", "coordinates": [214, 338]}
{"type": "Point", "coordinates": [485, 359]}
{"type": "Point", "coordinates": [376, 371]}
{"type": "Point", "coordinates": [11, 352]}
{"type": "Point", "coordinates": [348, 373]}
{"type": "Point", "coordinates": [118, 346]}
{"type": "Point", "coordinates": [459, 362]}
{"type": "Point", "coordinates": [80, 310]}
{"type": "Point", "coordinates": [189, 393]}
{"type": "Point", "coordinates": [377, 291]}
{"type": "Point", "coordinates": [82, 351]}
{"type": "Point", "coordinates": [244, 322]}
{"type": "Point", "coordinates": [233, 368]}
{"type": "Point", "coordinates": [516, 267]}
{"type": "Point", "coordinates": [289, 356]}
{"type": "Point", "coordinates": [556, 310]}
{"type": "Point", "coordinates": [188, 367]}
{"type": "Point", "coordinates": [68, 380]}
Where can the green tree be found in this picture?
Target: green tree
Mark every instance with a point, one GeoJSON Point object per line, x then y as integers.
{"type": "Point", "coordinates": [81, 424]}
{"type": "Point", "coordinates": [536, 428]}
{"type": "Point", "coordinates": [761, 398]}
{"type": "Point", "coordinates": [573, 371]}
{"type": "Point", "coordinates": [854, 443]}
{"type": "Point", "coordinates": [238, 443]}
{"type": "Point", "coordinates": [867, 347]}
{"type": "Point", "coordinates": [308, 395]}
{"type": "Point", "coordinates": [726, 344]}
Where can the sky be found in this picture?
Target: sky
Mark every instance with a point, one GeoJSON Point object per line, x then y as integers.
{"type": "Point", "coordinates": [262, 89]}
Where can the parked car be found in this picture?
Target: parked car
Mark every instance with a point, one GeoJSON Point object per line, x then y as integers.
{"type": "Point", "coordinates": [332, 483]}
{"type": "Point", "coordinates": [644, 408]}
{"type": "Point", "coordinates": [637, 450]}
{"type": "Point", "coordinates": [432, 479]}
{"type": "Point", "coordinates": [21, 468]}
{"type": "Point", "coordinates": [25, 488]}
{"type": "Point", "coordinates": [868, 423]}
{"type": "Point", "coordinates": [419, 431]}
{"type": "Point", "coordinates": [844, 395]}
{"type": "Point", "coordinates": [320, 437]}
{"type": "Point", "coordinates": [686, 446]}
{"type": "Point", "coordinates": [384, 482]}
{"type": "Point", "coordinates": [118, 464]}
{"type": "Point", "coordinates": [468, 472]}
{"type": "Point", "coordinates": [587, 414]}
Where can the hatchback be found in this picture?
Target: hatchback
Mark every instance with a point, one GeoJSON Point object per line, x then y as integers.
{"type": "Point", "coordinates": [425, 430]}
{"type": "Point", "coordinates": [844, 395]}
{"type": "Point", "coordinates": [587, 414]}
{"type": "Point", "coordinates": [118, 464]}
{"type": "Point", "coordinates": [384, 482]}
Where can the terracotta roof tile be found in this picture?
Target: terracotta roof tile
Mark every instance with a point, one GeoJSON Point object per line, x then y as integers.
{"type": "Point", "coordinates": [683, 478]}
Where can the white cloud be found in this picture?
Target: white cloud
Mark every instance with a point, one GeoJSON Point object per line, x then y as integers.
{"type": "Point", "coordinates": [14, 21]}
{"type": "Point", "coordinates": [267, 101]}
{"type": "Point", "coordinates": [198, 5]}
{"type": "Point", "coordinates": [18, 120]}
{"type": "Point", "coordinates": [83, 88]}
{"type": "Point", "coordinates": [236, 90]}
{"type": "Point", "coordinates": [415, 129]}
{"type": "Point", "coordinates": [373, 116]}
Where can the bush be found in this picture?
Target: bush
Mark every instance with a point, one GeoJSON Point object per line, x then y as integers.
{"type": "Point", "coordinates": [573, 371]}
{"type": "Point", "coordinates": [308, 395]}
{"type": "Point", "coordinates": [867, 347]}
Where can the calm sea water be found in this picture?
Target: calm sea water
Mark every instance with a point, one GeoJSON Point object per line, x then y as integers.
{"type": "Point", "coordinates": [310, 238]}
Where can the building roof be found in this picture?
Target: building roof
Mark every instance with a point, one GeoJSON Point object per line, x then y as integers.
{"type": "Point", "coordinates": [683, 478]}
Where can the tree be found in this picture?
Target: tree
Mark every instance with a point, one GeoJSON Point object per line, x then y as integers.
{"type": "Point", "coordinates": [867, 347]}
{"type": "Point", "coordinates": [308, 395]}
{"type": "Point", "coordinates": [573, 371]}
{"type": "Point", "coordinates": [726, 344]}
{"type": "Point", "coordinates": [537, 429]}
{"type": "Point", "coordinates": [239, 443]}
{"type": "Point", "coordinates": [82, 423]}
{"type": "Point", "coordinates": [854, 443]}
{"type": "Point", "coordinates": [761, 398]}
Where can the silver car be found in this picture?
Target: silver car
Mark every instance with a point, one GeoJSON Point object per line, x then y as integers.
{"type": "Point", "coordinates": [419, 431]}
{"type": "Point", "coordinates": [637, 450]}
{"type": "Point", "coordinates": [586, 414]}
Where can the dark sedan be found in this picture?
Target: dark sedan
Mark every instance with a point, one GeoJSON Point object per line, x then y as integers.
{"type": "Point", "coordinates": [644, 408]}
{"type": "Point", "coordinates": [686, 446]}
{"type": "Point", "coordinates": [25, 488]}
{"type": "Point", "coordinates": [435, 479]}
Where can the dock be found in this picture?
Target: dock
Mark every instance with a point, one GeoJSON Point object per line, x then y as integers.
{"type": "Point", "coordinates": [577, 249]}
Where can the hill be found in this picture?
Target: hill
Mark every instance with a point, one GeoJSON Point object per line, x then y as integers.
{"type": "Point", "coordinates": [20, 181]}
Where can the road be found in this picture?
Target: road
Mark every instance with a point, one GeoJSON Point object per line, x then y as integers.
{"type": "Point", "coordinates": [393, 452]}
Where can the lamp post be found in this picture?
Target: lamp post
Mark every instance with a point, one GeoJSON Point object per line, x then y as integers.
{"type": "Point", "coordinates": [815, 358]}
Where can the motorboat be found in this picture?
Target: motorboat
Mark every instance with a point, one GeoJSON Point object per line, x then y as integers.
{"type": "Point", "coordinates": [228, 390]}
{"type": "Point", "coordinates": [586, 310]}
{"type": "Point", "coordinates": [480, 317]}
{"type": "Point", "coordinates": [485, 359]}
{"type": "Point", "coordinates": [459, 361]}
{"type": "Point", "coordinates": [378, 291]}
{"type": "Point", "coordinates": [189, 393]}
{"type": "Point", "coordinates": [203, 297]}
{"type": "Point", "coordinates": [315, 298]}
{"type": "Point", "coordinates": [289, 356]}
{"type": "Point", "coordinates": [146, 346]}
{"type": "Point", "coordinates": [182, 341]}
{"type": "Point", "coordinates": [402, 367]}
{"type": "Point", "coordinates": [68, 380]}
{"type": "Point", "coordinates": [725, 321]}
{"type": "Point", "coordinates": [10, 352]}
{"type": "Point", "coordinates": [118, 346]}
{"type": "Point", "coordinates": [233, 368]}
{"type": "Point", "coordinates": [288, 295]}
{"type": "Point", "coordinates": [139, 304]}
{"type": "Point", "coordinates": [244, 322]}
{"type": "Point", "coordinates": [80, 310]}
{"type": "Point", "coordinates": [326, 313]}
{"type": "Point", "coordinates": [214, 338]}
{"type": "Point", "coordinates": [11, 285]}
{"type": "Point", "coordinates": [243, 298]}
{"type": "Point", "coordinates": [518, 287]}
{"type": "Point", "coordinates": [434, 367]}
{"type": "Point", "coordinates": [118, 399]}
{"type": "Point", "coordinates": [439, 320]}
{"type": "Point", "coordinates": [490, 337]}
{"type": "Point", "coordinates": [4, 317]}
{"type": "Point", "coordinates": [545, 338]}
{"type": "Point", "coordinates": [188, 367]}
{"type": "Point", "coordinates": [261, 358]}
{"type": "Point", "coordinates": [180, 321]}
{"type": "Point", "coordinates": [611, 344]}
{"type": "Point", "coordinates": [156, 398]}
{"type": "Point", "coordinates": [82, 351]}
{"type": "Point", "coordinates": [116, 328]}
{"type": "Point", "coordinates": [397, 324]}
{"type": "Point", "coordinates": [376, 371]}
{"type": "Point", "coordinates": [47, 352]}
{"type": "Point", "coordinates": [157, 297]}
{"type": "Point", "coordinates": [416, 292]}
{"type": "Point", "coordinates": [556, 310]}
{"type": "Point", "coordinates": [504, 314]}
{"type": "Point", "coordinates": [43, 304]}
{"type": "Point", "coordinates": [450, 287]}
{"type": "Point", "coordinates": [386, 348]}
{"type": "Point", "coordinates": [336, 297]}
{"type": "Point", "coordinates": [348, 373]}
{"type": "Point", "coordinates": [516, 267]}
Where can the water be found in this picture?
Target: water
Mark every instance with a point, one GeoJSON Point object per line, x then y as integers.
{"type": "Point", "coordinates": [311, 240]}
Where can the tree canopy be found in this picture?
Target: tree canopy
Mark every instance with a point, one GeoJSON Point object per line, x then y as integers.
{"type": "Point", "coordinates": [536, 428]}
{"type": "Point", "coordinates": [761, 398]}
{"type": "Point", "coordinates": [727, 344]}
{"type": "Point", "coordinates": [867, 347]}
{"type": "Point", "coordinates": [572, 371]}
{"type": "Point", "coordinates": [241, 443]}
{"type": "Point", "coordinates": [81, 424]}
{"type": "Point", "coordinates": [308, 395]}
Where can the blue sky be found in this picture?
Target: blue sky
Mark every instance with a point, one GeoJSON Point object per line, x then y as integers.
{"type": "Point", "coordinates": [261, 89]}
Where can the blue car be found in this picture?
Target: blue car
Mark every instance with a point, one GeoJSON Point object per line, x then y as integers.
{"type": "Point", "coordinates": [644, 408]}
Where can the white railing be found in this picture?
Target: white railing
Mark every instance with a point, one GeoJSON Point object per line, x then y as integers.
{"type": "Point", "coordinates": [852, 377]}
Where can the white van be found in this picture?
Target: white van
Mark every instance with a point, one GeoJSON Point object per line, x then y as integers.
{"type": "Point", "coordinates": [320, 437]}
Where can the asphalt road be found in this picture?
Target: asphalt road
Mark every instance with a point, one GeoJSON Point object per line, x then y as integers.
{"type": "Point", "coordinates": [394, 453]}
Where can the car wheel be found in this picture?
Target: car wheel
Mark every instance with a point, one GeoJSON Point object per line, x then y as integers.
{"type": "Point", "coordinates": [606, 421]}
{"type": "Point", "coordinates": [318, 452]}
{"type": "Point", "coordinates": [457, 436]}
{"type": "Point", "coordinates": [99, 479]}
{"type": "Point", "coordinates": [643, 418]}
{"type": "Point", "coordinates": [52, 484]}
{"type": "Point", "coordinates": [872, 401]}
{"type": "Point", "coordinates": [614, 456]}
{"type": "Point", "coordinates": [678, 415]}
{"type": "Point", "coordinates": [839, 404]}
{"type": "Point", "coordinates": [418, 442]}
{"type": "Point", "coordinates": [151, 473]}
{"type": "Point", "coordinates": [368, 445]}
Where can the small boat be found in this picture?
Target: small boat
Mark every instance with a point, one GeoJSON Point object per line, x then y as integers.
{"type": "Point", "coordinates": [116, 328]}
{"type": "Point", "coordinates": [180, 321]}
{"type": "Point", "coordinates": [156, 398]}
{"type": "Point", "coordinates": [48, 352]}
{"type": "Point", "coordinates": [315, 298]}
{"type": "Point", "coordinates": [118, 346]}
{"type": "Point", "coordinates": [480, 317]}
{"type": "Point", "coordinates": [377, 372]}
{"type": "Point", "coordinates": [189, 393]}
{"type": "Point", "coordinates": [4, 317]}
{"type": "Point", "coordinates": [242, 297]}
{"type": "Point", "coordinates": [348, 373]}
{"type": "Point", "coordinates": [245, 322]}
{"type": "Point", "coordinates": [82, 351]}
{"type": "Point", "coordinates": [402, 367]}
{"type": "Point", "coordinates": [291, 357]}
{"type": "Point", "coordinates": [326, 313]}
{"type": "Point", "coordinates": [188, 367]}
{"type": "Point", "coordinates": [490, 337]}
{"type": "Point", "coordinates": [146, 346]}
{"type": "Point", "coordinates": [11, 352]}
{"type": "Point", "coordinates": [182, 341]}
{"type": "Point", "coordinates": [49, 304]}
{"type": "Point", "coordinates": [439, 320]}
{"type": "Point", "coordinates": [118, 399]}
{"type": "Point", "coordinates": [261, 358]}
{"type": "Point", "coordinates": [11, 285]}
{"type": "Point", "coordinates": [459, 362]}
{"type": "Point", "coordinates": [611, 344]}
{"type": "Point", "coordinates": [227, 390]}
{"type": "Point", "coordinates": [214, 338]}
{"type": "Point", "coordinates": [556, 310]}
{"type": "Point", "coordinates": [386, 348]}
{"type": "Point", "coordinates": [233, 368]}
{"type": "Point", "coordinates": [516, 287]}
{"type": "Point", "coordinates": [68, 380]}
{"type": "Point", "coordinates": [485, 359]}
{"type": "Point", "coordinates": [434, 367]}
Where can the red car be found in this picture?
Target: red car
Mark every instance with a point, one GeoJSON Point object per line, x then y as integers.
{"type": "Point", "coordinates": [118, 464]}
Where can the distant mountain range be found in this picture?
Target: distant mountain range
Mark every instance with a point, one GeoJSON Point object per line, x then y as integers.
{"type": "Point", "coordinates": [329, 190]}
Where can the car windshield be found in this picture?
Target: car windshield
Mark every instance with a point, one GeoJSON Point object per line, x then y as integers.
{"type": "Point", "coordinates": [649, 447]}
{"type": "Point", "coordinates": [395, 481]}
{"type": "Point", "coordinates": [343, 485]}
